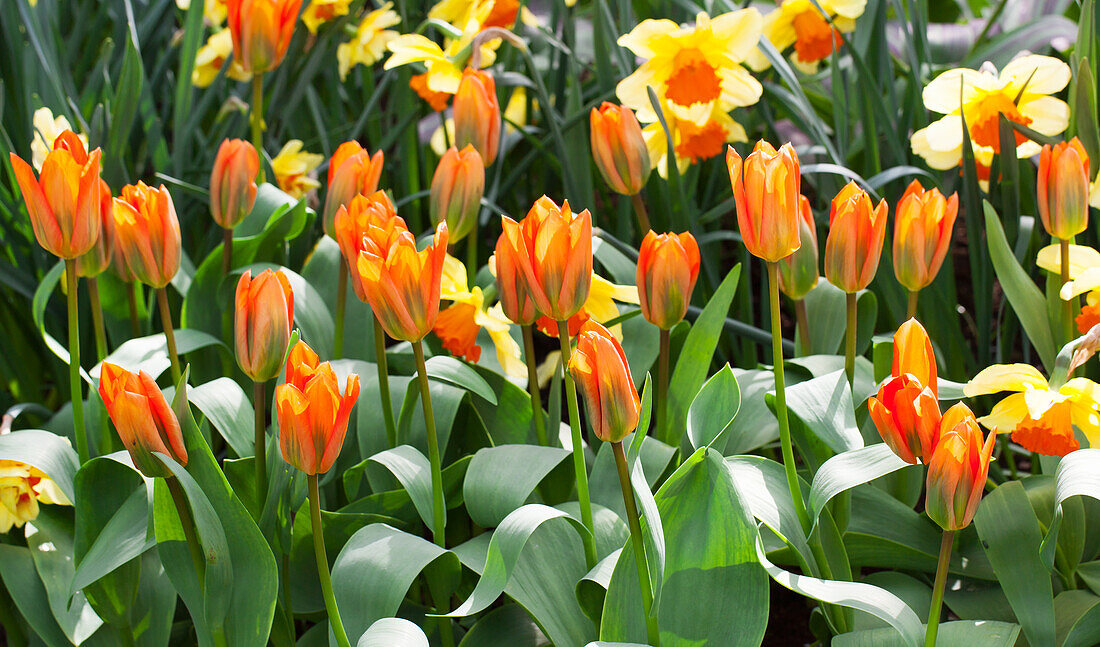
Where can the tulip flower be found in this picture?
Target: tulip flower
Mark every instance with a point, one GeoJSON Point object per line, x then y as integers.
{"type": "Point", "coordinates": [97, 259]}
{"type": "Point", "coordinates": [922, 234]}
{"type": "Point", "coordinates": [957, 469]}
{"type": "Point", "coordinates": [351, 172]}
{"type": "Point", "coordinates": [907, 417]}
{"type": "Point", "coordinates": [668, 265]}
{"type": "Point", "coordinates": [798, 273]}
{"type": "Point", "coordinates": [263, 318]}
{"type": "Point", "coordinates": [477, 114]}
{"type": "Point", "coordinates": [64, 200]}
{"type": "Point", "coordinates": [602, 374]}
{"type": "Point", "coordinates": [515, 298]}
{"type": "Point", "coordinates": [148, 233]}
{"type": "Point", "coordinates": [373, 212]}
{"type": "Point", "coordinates": [457, 187]}
{"type": "Point", "coordinates": [766, 190]}
{"type": "Point", "coordinates": [233, 182]}
{"type": "Point", "coordinates": [1062, 190]}
{"type": "Point", "coordinates": [261, 31]}
{"type": "Point", "coordinates": [854, 244]}
{"type": "Point", "coordinates": [618, 148]}
{"type": "Point", "coordinates": [913, 354]}
{"type": "Point", "coordinates": [145, 422]}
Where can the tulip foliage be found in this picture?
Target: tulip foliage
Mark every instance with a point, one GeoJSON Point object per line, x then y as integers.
{"type": "Point", "coordinates": [485, 322]}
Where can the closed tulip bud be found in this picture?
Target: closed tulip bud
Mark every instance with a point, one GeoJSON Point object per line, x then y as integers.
{"type": "Point", "coordinates": [1062, 189]}
{"type": "Point", "coordinates": [99, 257]}
{"type": "Point", "coordinates": [364, 213]}
{"type": "Point", "coordinates": [148, 233]}
{"type": "Point", "coordinates": [402, 285]}
{"type": "Point", "coordinates": [477, 114]}
{"type": "Point", "coordinates": [261, 31]}
{"type": "Point", "coordinates": [602, 374]}
{"type": "Point", "coordinates": [233, 182]}
{"type": "Point", "coordinates": [798, 273]}
{"type": "Point", "coordinates": [958, 469]}
{"type": "Point", "coordinates": [854, 245]}
{"type": "Point", "coordinates": [352, 171]}
{"type": "Point", "coordinates": [907, 417]}
{"type": "Point", "coordinates": [766, 190]}
{"type": "Point", "coordinates": [913, 354]}
{"type": "Point", "coordinates": [922, 234]}
{"type": "Point", "coordinates": [668, 265]}
{"type": "Point", "coordinates": [619, 148]}
{"type": "Point", "coordinates": [457, 187]}
{"type": "Point", "coordinates": [552, 248]}
{"type": "Point", "coordinates": [145, 422]}
{"type": "Point", "coordinates": [64, 200]}
{"type": "Point", "coordinates": [263, 317]}
{"type": "Point", "coordinates": [313, 415]}
{"type": "Point", "coordinates": [515, 298]}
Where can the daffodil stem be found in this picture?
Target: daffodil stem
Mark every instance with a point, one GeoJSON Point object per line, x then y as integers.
{"type": "Point", "coordinates": [937, 589]}
{"type": "Point", "coordinates": [334, 621]}
{"type": "Point", "coordinates": [131, 297]}
{"type": "Point", "coordinates": [533, 383]}
{"type": "Point", "coordinates": [850, 342]}
{"type": "Point", "coordinates": [97, 319]}
{"type": "Point", "coordinates": [227, 251]}
{"type": "Point", "coordinates": [640, 562]}
{"type": "Point", "coordinates": [169, 333]}
{"type": "Point", "coordinates": [643, 215]}
{"type": "Point", "coordinates": [911, 311]}
{"type": "Point", "coordinates": [76, 389]}
{"type": "Point", "coordinates": [439, 512]}
{"type": "Point", "coordinates": [781, 401]}
{"type": "Point", "coordinates": [384, 383]}
{"type": "Point", "coordinates": [341, 308]}
{"type": "Point", "coordinates": [661, 403]}
{"type": "Point", "coordinates": [256, 120]}
{"type": "Point", "coordinates": [579, 465]}
{"type": "Point", "coordinates": [1067, 305]}
{"type": "Point", "coordinates": [258, 404]}
{"type": "Point", "coordinates": [183, 509]}
{"type": "Point", "coordinates": [803, 326]}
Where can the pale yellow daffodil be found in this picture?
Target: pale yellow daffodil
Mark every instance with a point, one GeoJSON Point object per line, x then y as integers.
{"type": "Point", "coordinates": [444, 70]}
{"type": "Point", "coordinates": [292, 168]}
{"type": "Point", "coordinates": [321, 11]}
{"type": "Point", "coordinates": [212, 56]}
{"type": "Point", "coordinates": [46, 129]}
{"type": "Point", "coordinates": [370, 40]}
{"type": "Point", "coordinates": [22, 488]}
{"type": "Point", "coordinates": [801, 23]}
{"type": "Point", "coordinates": [458, 325]}
{"type": "Point", "coordinates": [691, 142]}
{"type": "Point", "coordinates": [1084, 274]}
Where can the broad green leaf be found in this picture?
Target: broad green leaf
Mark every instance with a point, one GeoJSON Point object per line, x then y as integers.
{"type": "Point", "coordinates": [506, 626]}
{"type": "Point", "coordinates": [509, 420]}
{"type": "Point", "coordinates": [500, 479]}
{"type": "Point", "coordinates": [849, 469]}
{"type": "Point", "coordinates": [46, 451]}
{"type": "Point", "coordinates": [592, 588]}
{"type": "Point", "coordinates": [452, 371]}
{"type": "Point", "coordinates": [915, 593]}
{"type": "Point", "coordinates": [150, 354]}
{"type": "Point", "coordinates": [446, 401]}
{"type": "Point", "coordinates": [50, 540]}
{"type": "Point", "coordinates": [824, 405]}
{"type": "Point", "coordinates": [393, 632]}
{"type": "Point", "coordinates": [713, 410]}
{"type": "Point", "coordinates": [763, 486]}
{"type": "Point", "coordinates": [827, 311]}
{"type": "Point", "coordinates": [1078, 618]}
{"type": "Point", "coordinates": [320, 271]}
{"type": "Point", "coordinates": [113, 531]}
{"type": "Point", "coordinates": [26, 589]}
{"type": "Point", "coordinates": [960, 633]}
{"type": "Point", "coordinates": [38, 311]}
{"type": "Point", "coordinates": [755, 425]}
{"type": "Point", "coordinates": [229, 410]}
{"type": "Point", "coordinates": [1078, 474]}
{"type": "Point", "coordinates": [412, 471]}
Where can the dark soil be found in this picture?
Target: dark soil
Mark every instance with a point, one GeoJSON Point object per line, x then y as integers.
{"type": "Point", "coordinates": [788, 620]}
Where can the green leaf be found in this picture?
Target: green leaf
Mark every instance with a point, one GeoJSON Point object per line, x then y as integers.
{"type": "Point", "coordinates": [393, 632]}
{"type": "Point", "coordinates": [228, 409]}
{"type": "Point", "coordinates": [827, 310]}
{"type": "Point", "coordinates": [124, 107]}
{"type": "Point", "coordinates": [755, 424]}
{"type": "Point", "coordinates": [824, 405]}
{"type": "Point", "coordinates": [500, 479]}
{"type": "Point", "coordinates": [452, 371]}
{"type": "Point", "coordinates": [320, 270]}
{"type": "Point", "coordinates": [713, 410]}
{"type": "Point", "coordinates": [26, 589]}
{"type": "Point", "coordinates": [113, 531]}
{"type": "Point", "coordinates": [1077, 614]}
{"type": "Point", "coordinates": [412, 471]}
{"type": "Point", "coordinates": [592, 588]}
{"type": "Point", "coordinates": [763, 485]}
{"type": "Point", "coordinates": [849, 469]}
{"type": "Point", "coordinates": [150, 354]}
{"type": "Point", "coordinates": [50, 540]}
{"type": "Point", "coordinates": [46, 451]}
{"type": "Point", "coordinates": [506, 626]}
{"type": "Point", "coordinates": [38, 312]}
{"type": "Point", "coordinates": [960, 633]}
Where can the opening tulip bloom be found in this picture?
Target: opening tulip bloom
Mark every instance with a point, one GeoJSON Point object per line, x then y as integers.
{"type": "Point", "coordinates": [668, 266]}
{"type": "Point", "coordinates": [477, 114]}
{"type": "Point", "coordinates": [766, 190]}
{"type": "Point", "coordinates": [264, 314]}
{"type": "Point", "coordinates": [233, 182]}
{"type": "Point", "coordinates": [261, 31]}
{"type": "Point", "coordinates": [798, 273]}
{"type": "Point", "coordinates": [618, 148]}
{"type": "Point", "coordinates": [457, 187]}
{"type": "Point", "coordinates": [98, 258]}
{"type": "Point", "coordinates": [145, 422]}
{"type": "Point", "coordinates": [148, 233]}
{"type": "Point", "coordinates": [375, 213]}
{"type": "Point", "coordinates": [913, 354]}
{"type": "Point", "coordinates": [854, 244]}
{"type": "Point", "coordinates": [515, 298]}
{"type": "Point", "coordinates": [922, 233]}
{"type": "Point", "coordinates": [958, 469]}
{"type": "Point", "coordinates": [552, 249]}
{"type": "Point", "coordinates": [603, 376]}
{"type": "Point", "coordinates": [905, 410]}
{"type": "Point", "coordinates": [313, 415]}
{"type": "Point", "coordinates": [351, 172]}
{"type": "Point", "coordinates": [64, 200]}
{"type": "Point", "coordinates": [1063, 189]}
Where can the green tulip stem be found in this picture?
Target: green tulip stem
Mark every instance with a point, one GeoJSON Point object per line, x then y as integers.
{"type": "Point", "coordinates": [911, 311]}
{"type": "Point", "coordinates": [471, 250]}
{"type": "Point", "coordinates": [640, 562]}
{"type": "Point", "coordinates": [641, 213]}
{"type": "Point", "coordinates": [76, 389]}
{"type": "Point", "coordinates": [384, 383]}
{"type": "Point", "coordinates": [256, 120]}
{"type": "Point", "coordinates": [661, 403]}
{"type": "Point", "coordinates": [439, 512]}
{"type": "Point", "coordinates": [937, 589]}
{"type": "Point", "coordinates": [1067, 304]}
{"type": "Point", "coordinates": [341, 308]}
{"type": "Point", "coordinates": [803, 326]}
{"type": "Point", "coordinates": [850, 342]}
{"type": "Point", "coordinates": [227, 251]}
{"type": "Point", "coordinates": [579, 465]}
{"type": "Point", "coordinates": [533, 383]}
{"type": "Point", "coordinates": [169, 333]}
{"type": "Point", "coordinates": [259, 405]}
{"type": "Point", "coordinates": [781, 401]}
{"type": "Point", "coordinates": [183, 509]}
{"type": "Point", "coordinates": [131, 298]}
{"type": "Point", "coordinates": [334, 621]}
{"type": "Point", "coordinates": [97, 319]}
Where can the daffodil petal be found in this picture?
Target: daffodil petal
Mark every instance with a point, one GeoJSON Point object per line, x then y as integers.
{"type": "Point", "coordinates": [1005, 377]}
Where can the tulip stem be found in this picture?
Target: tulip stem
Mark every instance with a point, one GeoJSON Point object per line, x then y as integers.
{"type": "Point", "coordinates": [781, 401]}
{"type": "Point", "coordinates": [322, 564]}
{"type": "Point", "coordinates": [471, 250]}
{"type": "Point", "coordinates": [97, 319]}
{"type": "Point", "coordinates": [1067, 305]}
{"type": "Point", "coordinates": [131, 297]}
{"type": "Point", "coordinates": [258, 404]}
{"type": "Point", "coordinates": [533, 383]}
{"type": "Point", "coordinates": [439, 512]}
{"type": "Point", "coordinates": [256, 120]}
{"type": "Point", "coordinates": [661, 404]}
{"type": "Point", "coordinates": [75, 387]}
{"type": "Point", "coordinates": [937, 589]}
{"type": "Point", "coordinates": [227, 251]}
{"type": "Point", "coordinates": [640, 561]}
{"type": "Point", "coordinates": [341, 308]}
{"type": "Point", "coordinates": [384, 383]}
{"type": "Point", "coordinates": [850, 343]}
{"type": "Point", "coordinates": [169, 333]}
{"type": "Point", "coordinates": [183, 509]}
{"type": "Point", "coordinates": [803, 326]}
{"type": "Point", "coordinates": [911, 311]}
{"type": "Point", "coordinates": [640, 211]}
{"type": "Point", "coordinates": [579, 465]}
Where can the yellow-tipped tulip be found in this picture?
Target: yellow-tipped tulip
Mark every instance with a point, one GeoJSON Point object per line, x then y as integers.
{"type": "Point", "coordinates": [618, 148]}
{"type": "Point", "coordinates": [477, 114]}
{"type": "Point", "coordinates": [261, 31]}
{"type": "Point", "coordinates": [352, 171]}
{"type": "Point", "coordinates": [365, 213]}
{"type": "Point", "coordinates": [233, 182]}
{"type": "Point", "coordinates": [602, 374]}
{"type": "Point", "coordinates": [906, 411]}
{"type": "Point", "coordinates": [99, 257]}
{"type": "Point", "coordinates": [958, 469]}
{"type": "Point", "coordinates": [913, 354]}
{"type": "Point", "coordinates": [668, 266]}
{"type": "Point", "coordinates": [145, 422]}
{"type": "Point", "coordinates": [264, 314]}
{"type": "Point", "coordinates": [798, 273]}
{"type": "Point", "coordinates": [922, 234]}
{"type": "Point", "coordinates": [856, 232]}
{"type": "Point", "coordinates": [766, 190]}
{"type": "Point", "coordinates": [457, 187]}
{"type": "Point", "coordinates": [1063, 189]}
{"type": "Point", "coordinates": [148, 233]}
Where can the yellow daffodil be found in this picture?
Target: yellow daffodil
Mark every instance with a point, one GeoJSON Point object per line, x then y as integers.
{"type": "Point", "coordinates": [22, 488]}
{"type": "Point", "coordinates": [292, 167]}
{"type": "Point", "coordinates": [487, 13]}
{"type": "Point", "coordinates": [695, 69]}
{"type": "Point", "coordinates": [458, 325]}
{"type": "Point", "coordinates": [1040, 417]}
{"type": "Point", "coordinates": [213, 11]}
{"type": "Point", "coordinates": [443, 67]}
{"type": "Point", "coordinates": [600, 306]}
{"type": "Point", "coordinates": [691, 142]}
{"type": "Point", "coordinates": [1084, 274]}
{"type": "Point", "coordinates": [212, 56]}
{"type": "Point", "coordinates": [1021, 92]}
{"type": "Point", "coordinates": [801, 23]}
{"type": "Point", "coordinates": [370, 41]}
{"type": "Point", "coordinates": [46, 129]}
{"type": "Point", "coordinates": [321, 11]}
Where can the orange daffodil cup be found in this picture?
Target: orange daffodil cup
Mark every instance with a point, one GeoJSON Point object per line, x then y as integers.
{"type": "Point", "coordinates": [1062, 189]}
{"type": "Point", "coordinates": [233, 190]}
{"type": "Point", "coordinates": [922, 235]}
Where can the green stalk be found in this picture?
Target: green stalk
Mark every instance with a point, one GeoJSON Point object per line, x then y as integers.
{"type": "Point", "coordinates": [341, 308]}
{"type": "Point", "coordinates": [781, 401]}
{"type": "Point", "coordinates": [76, 389]}
{"type": "Point", "coordinates": [334, 621]}
{"type": "Point", "coordinates": [1067, 305]}
{"type": "Point", "coordinates": [384, 383]}
{"type": "Point", "coordinates": [652, 632]}
{"type": "Point", "coordinates": [803, 326]}
{"type": "Point", "coordinates": [259, 405]}
{"type": "Point", "coordinates": [439, 512]}
{"type": "Point", "coordinates": [533, 383]}
{"type": "Point", "coordinates": [641, 213]}
{"type": "Point", "coordinates": [256, 120]}
{"type": "Point", "coordinates": [183, 509]}
{"type": "Point", "coordinates": [850, 342]}
{"type": "Point", "coordinates": [471, 251]}
{"type": "Point", "coordinates": [97, 319]}
{"type": "Point", "coordinates": [579, 465]}
{"type": "Point", "coordinates": [169, 333]}
{"type": "Point", "coordinates": [131, 298]}
{"type": "Point", "coordinates": [227, 251]}
{"type": "Point", "coordinates": [937, 589]}
{"type": "Point", "coordinates": [661, 403]}
{"type": "Point", "coordinates": [912, 310]}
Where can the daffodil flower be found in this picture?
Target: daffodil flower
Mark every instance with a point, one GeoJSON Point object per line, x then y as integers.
{"type": "Point", "coordinates": [691, 142]}
{"type": "Point", "coordinates": [444, 69]}
{"type": "Point", "coordinates": [370, 40]}
{"type": "Point", "coordinates": [212, 56]}
{"type": "Point", "coordinates": [458, 325]}
{"type": "Point", "coordinates": [813, 34]}
{"type": "Point", "coordinates": [1084, 274]}
{"type": "Point", "coordinates": [46, 130]}
{"type": "Point", "coordinates": [292, 167]}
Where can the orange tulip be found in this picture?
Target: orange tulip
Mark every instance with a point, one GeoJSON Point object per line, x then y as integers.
{"type": "Point", "coordinates": [99, 257]}
{"type": "Point", "coordinates": [958, 469]}
{"type": "Point", "coordinates": [913, 355]}
{"type": "Point", "coordinates": [1063, 189]}
{"type": "Point", "coordinates": [457, 187]}
{"type": "Point", "coordinates": [233, 182]}
{"type": "Point", "coordinates": [854, 245]}
{"type": "Point", "coordinates": [263, 317]}
{"type": "Point", "coordinates": [64, 200]}
{"type": "Point", "coordinates": [766, 190]}
{"type": "Point", "coordinates": [402, 285]}
{"type": "Point", "coordinates": [313, 415]}
{"type": "Point", "coordinates": [922, 234]}
{"type": "Point", "coordinates": [351, 172]}
{"type": "Point", "coordinates": [148, 233]}
{"type": "Point", "coordinates": [907, 417]}
{"type": "Point", "coordinates": [477, 114]}
{"type": "Point", "coordinates": [515, 298]}
{"type": "Point", "coordinates": [145, 422]}
{"type": "Point", "coordinates": [619, 148]}
{"type": "Point", "coordinates": [261, 31]}
{"type": "Point", "coordinates": [374, 212]}
{"type": "Point", "coordinates": [602, 374]}
{"type": "Point", "coordinates": [668, 265]}
{"type": "Point", "coordinates": [552, 250]}
{"type": "Point", "coordinates": [798, 273]}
